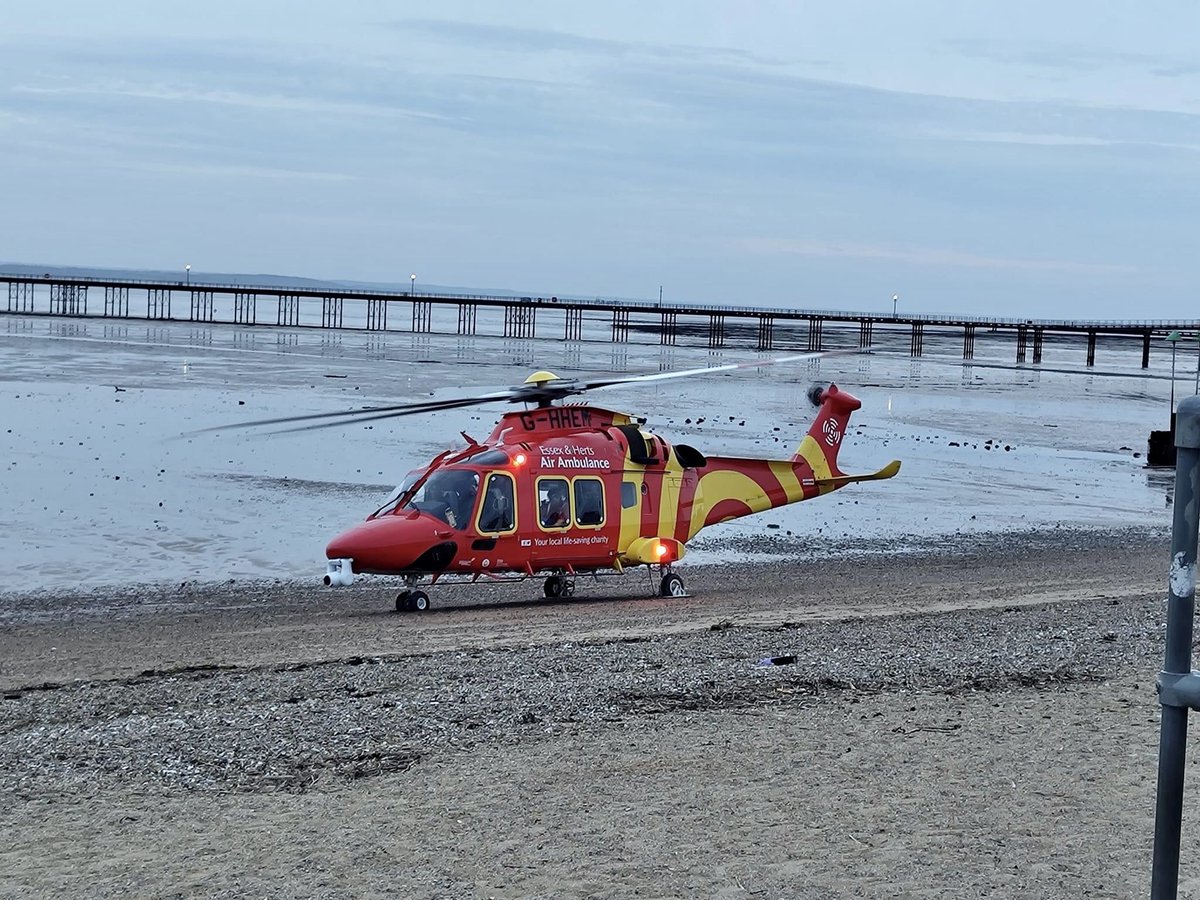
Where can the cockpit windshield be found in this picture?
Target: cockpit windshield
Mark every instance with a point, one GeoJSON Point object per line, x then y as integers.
{"type": "Point", "coordinates": [389, 505]}
{"type": "Point", "coordinates": [448, 494]}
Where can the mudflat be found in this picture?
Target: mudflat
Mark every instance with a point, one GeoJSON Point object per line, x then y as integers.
{"type": "Point", "coordinates": [973, 719]}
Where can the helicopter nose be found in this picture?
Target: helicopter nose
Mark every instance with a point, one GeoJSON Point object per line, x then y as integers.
{"type": "Point", "coordinates": [395, 544]}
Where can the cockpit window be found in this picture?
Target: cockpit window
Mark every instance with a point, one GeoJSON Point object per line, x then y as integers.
{"type": "Point", "coordinates": [394, 497]}
{"type": "Point", "coordinates": [448, 494]}
{"type": "Point", "coordinates": [498, 512]}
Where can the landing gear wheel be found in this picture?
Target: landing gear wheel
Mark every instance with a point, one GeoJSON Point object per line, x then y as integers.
{"type": "Point", "coordinates": [418, 601]}
{"type": "Point", "coordinates": [402, 602]}
{"type": "Point", "coordinates": [559, 586]}
{"type": "Point", "coordinates": [671, 586]}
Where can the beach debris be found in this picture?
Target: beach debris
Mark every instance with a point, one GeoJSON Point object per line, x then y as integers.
{"type": "Point", "coordinates": [785, 660]}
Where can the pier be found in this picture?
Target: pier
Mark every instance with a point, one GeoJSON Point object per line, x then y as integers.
{"type": "Point", "coordinates": [618, 321]}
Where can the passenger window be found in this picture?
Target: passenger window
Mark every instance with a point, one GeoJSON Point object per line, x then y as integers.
{"type": "Point", "coordinates": [497, 513]}
{"type": "Point", "coordinates": [628, 495]}
{"type": "Point", "coordinates": [589, 501]}
{"type": "Point", "coordinates": [554, 506]}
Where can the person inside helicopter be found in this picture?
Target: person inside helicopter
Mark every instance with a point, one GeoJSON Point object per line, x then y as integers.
{"type": "Point", "coordinates": [448, 494]}
{"type": "Point", "coordinates": [555, 510]}
{"type": "Point", "coordinates": [497, 512]}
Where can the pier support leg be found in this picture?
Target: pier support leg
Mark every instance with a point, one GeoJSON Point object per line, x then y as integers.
{"type": "Point", "coordinates": [814, 335]}
{"type": "Point", "coordinates": [288, 311]}
{"type": "Point", "coordinates": [1022, 342]}
{"type": "Point", "coordinates": [20, 297]}
{"type": "Point", "coordinates": [331, 312]}
{"type": "Point", "coordinates": [68, 300]}
{"type": "Point", "coordinates": [669, 331]}
{"type": "Point", "coordinates": [376, 314]}
{"type": "Point", "coordinates": [1091, 351]}
{"type": "Point", "coordinates": [766, 332]}
{"type": "Point", "coordinates": [116, 301]}
{"type": "Point", "coordinates": [466, 318]}
{"type": "Point", "coordinates": [1038, 334]}
{"type": "Point", "coordinates": [1145, 349]}
{"type": "Point", "coordinates": [716, 330]}
{"type": "Point", "coordinates": [245, 308]}
{"type": "Point", "coordinates": [520, 321]}
{"type": "Point", "coordinates": [158, 303]}
{"type": "Point", "coordinates": [202, 306]}
{"type": "Point", "coordinates": [968, 342]}
{"type": "Point", "coordinates": [866, 333]}
{"type": "Point", "coordinates": [620, 326]}
{"type": "Point", "coordinates": [422, 316]}
{"type": "Point", "coordinates": [916, 346]}
{"type": "Point", "coordinates": [573, 326]}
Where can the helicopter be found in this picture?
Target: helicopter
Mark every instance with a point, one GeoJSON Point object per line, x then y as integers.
{"type": "Point", "coordinates": [567, 489]}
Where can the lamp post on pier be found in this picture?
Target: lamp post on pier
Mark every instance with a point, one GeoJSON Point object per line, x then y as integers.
{"type": "Point", "coordinates": [412, 284]}
{"type": "Point", "coordinates": [895, 300]}
{"type": "Point", "coordinates": [187, 271]}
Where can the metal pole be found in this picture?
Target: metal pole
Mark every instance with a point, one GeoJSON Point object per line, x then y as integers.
{"type": "Point", "coordinates": [1197, 368]}
{"type": "Point", "coordinates": [1177, 683]}
{"type": "Point", "coordinates": [1173, 375]}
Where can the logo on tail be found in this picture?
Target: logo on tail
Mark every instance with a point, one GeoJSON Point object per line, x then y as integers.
{"type": "Point", "coordinates": [833, 431]}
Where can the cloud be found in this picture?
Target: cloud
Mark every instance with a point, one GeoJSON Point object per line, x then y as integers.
{"type": "Point", "coordinates": [249, 172]}
{"type": "Point", "coordinates": [244, 100]}
{"type": "Point", "coordinates": [1052, 55]}
{"type": "Point", "coordinates": [511, 39]}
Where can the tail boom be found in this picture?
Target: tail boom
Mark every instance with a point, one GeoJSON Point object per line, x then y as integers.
{"type": "Point", "coordinates": [732, 487]}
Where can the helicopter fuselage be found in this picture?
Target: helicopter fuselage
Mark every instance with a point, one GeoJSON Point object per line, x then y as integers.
{"type": "Point", "coordinates": [569, 489]}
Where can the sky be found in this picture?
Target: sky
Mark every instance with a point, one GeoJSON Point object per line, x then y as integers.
{"type": "Point", "coordinates": [1011, 159]}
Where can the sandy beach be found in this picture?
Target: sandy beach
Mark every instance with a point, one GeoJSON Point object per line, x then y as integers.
{"type": "Point", "coordinates": [971, 721]}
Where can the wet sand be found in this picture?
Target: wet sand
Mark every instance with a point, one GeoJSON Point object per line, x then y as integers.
{"type": "Point", "coordinates": [105, 481]}
{"type": "Point", "coordinates": [975, 720]}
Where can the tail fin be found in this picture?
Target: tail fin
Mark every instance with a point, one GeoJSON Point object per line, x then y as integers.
{"type": "Point", "coordinates": [824, 439]}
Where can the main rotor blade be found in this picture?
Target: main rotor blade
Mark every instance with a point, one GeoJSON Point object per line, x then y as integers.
{"type": "Point", "coordinates": [347, 416]}
{"type": "Point", "coordinates": [606, 383]}
{"type": "Point", "coordinates": [337, 423]}
{"type": "Point", "coordinates": [541, 393]}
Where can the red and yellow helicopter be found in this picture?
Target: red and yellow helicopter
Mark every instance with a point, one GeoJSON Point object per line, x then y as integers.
{"type": "Point", "coordinates": [564, 490]}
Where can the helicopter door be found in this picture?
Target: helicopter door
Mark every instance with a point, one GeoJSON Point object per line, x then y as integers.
{"type": "Point", "coordinates": [498, 513]}
{"type": "Point", "coordinates": [660, 493]}
{"type": "Point", "coordinates": [668, 504]}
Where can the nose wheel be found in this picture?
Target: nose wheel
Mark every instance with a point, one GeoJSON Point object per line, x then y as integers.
{"type": "Point", "coordinates": [671, 586]}
{"type": "Point", "coordinates": [556, 587]}
{"type": "Point", "coordinates": [412, 601]}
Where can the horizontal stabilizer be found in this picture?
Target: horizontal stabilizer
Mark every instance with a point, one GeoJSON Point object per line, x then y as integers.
{"type": "Point", "coordinates": [887, 471]}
